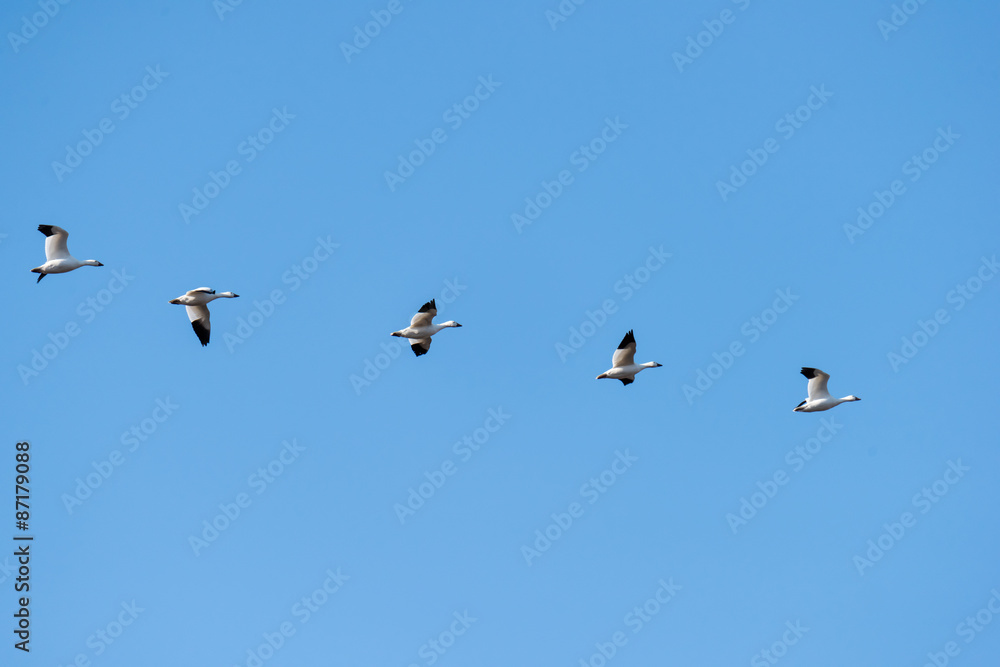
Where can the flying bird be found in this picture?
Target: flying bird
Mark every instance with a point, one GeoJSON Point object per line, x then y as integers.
{"type": "Point", "coordinates": [197, 301]}
{"type": "Point", "coordinates": [623, 366]}
{"type": "Point", "coordinates": [819, 398]}
{"type": "Point", "coordinates": [420, 330]}
{"type": "Point", "coordinates": [57, 257]}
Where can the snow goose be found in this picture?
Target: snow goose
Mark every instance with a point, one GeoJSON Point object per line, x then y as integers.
{"type": "Point", "coordinates": [623, 366]}
{"type": "Point", "coordinates": [420, 330]}
{"type": "Point", "coordinates": [57, 257]}
{"type": "Point", "coordinates": [197, 301]}
{"type": "Point", "coordinates": [819, 398]}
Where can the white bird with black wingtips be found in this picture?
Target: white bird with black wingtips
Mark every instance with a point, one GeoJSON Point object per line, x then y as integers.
{"type": "Point", "coordinates": [57, 257]}
{"type": "Point", "coordinates": [197, 301]}
{"type": "Point", "coordinates": [420, 330]}
{"type": "Point", "coordinates": [819, 398]}
{"type": "Point", "coordinates": [623, 366]}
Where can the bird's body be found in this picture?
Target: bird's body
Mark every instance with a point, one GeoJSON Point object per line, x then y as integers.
{"type": "Point", "coordinates": [196, 302]}
{"type": "Point", "coordinates": [57, 257]}
{"type": "Point", "coordinates": [623, 366]}
{"type": "Point", "coordinates": [819, 398]}
{"type": "Point", "coordinates": [421, 329]}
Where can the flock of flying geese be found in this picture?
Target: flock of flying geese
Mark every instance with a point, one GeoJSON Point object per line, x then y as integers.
{"type": "Point", "coordinates": [623, 366]}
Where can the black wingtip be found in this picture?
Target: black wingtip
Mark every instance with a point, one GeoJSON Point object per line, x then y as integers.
{"type": "Point", "coordinates": [810, 373]}
{"type": "Point", "coordinates": [46, 229]}
{"type": "Point", "coordinates": [626, 382]}
{"type": "Point", "coordinates": [427, 306]}
{"type": "Point", "coordinates": [418, 351]}
{"type": "Point", "coordinates": [627, 340]}
{"type": "Point", "coordinates": [202, 333]}
{"type": "Point", "coordinates": [40, 276]}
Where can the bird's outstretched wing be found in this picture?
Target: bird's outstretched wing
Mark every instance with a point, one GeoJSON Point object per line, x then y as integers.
{"type": "Point", "coordinates": [200, 323]}
{"type": "Point", "coordinates": [625, 354]}
{"type": "Point", "coordinates": [420, 345]}
{"type": "Point", "coordinates": [55, 242]}
{"type": "Point", "coordinates": [817, 383]}
{"type": "Point", "coordinates": [424, 315]}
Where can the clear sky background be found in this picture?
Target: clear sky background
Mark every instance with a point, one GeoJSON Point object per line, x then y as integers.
{"type": "Point", "coordinates": [464, 578]}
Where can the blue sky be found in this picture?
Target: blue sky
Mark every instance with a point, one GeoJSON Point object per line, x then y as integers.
{"type": "Point", "coordinates": [750, 187]}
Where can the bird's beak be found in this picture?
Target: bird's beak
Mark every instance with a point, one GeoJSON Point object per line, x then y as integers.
{"type": "Point", "coordinates": [236, 296]}
{"type": "Point", "coordinates": [99, 264]}
{"type": "Point", "coordinates": [457, 324]}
